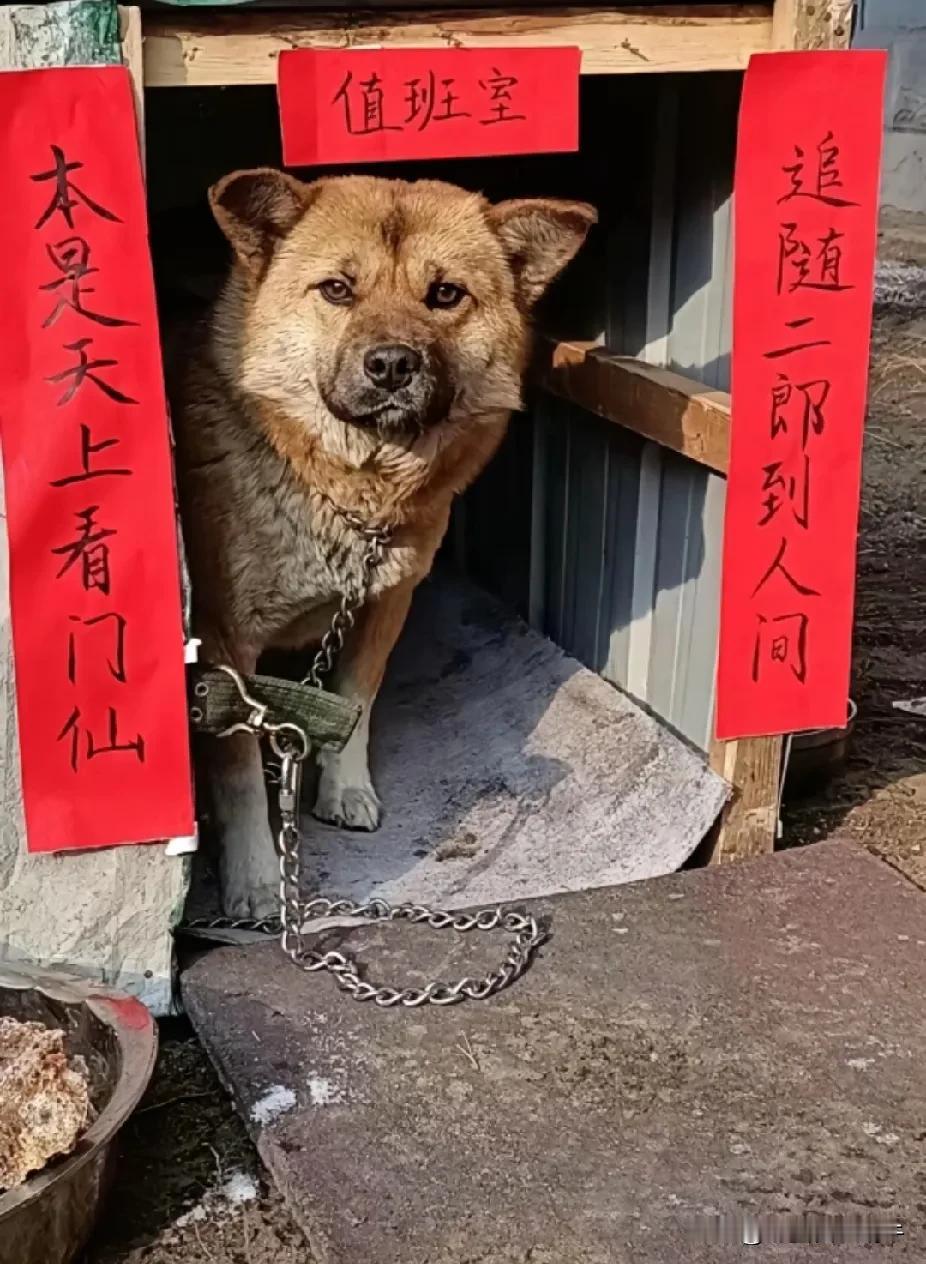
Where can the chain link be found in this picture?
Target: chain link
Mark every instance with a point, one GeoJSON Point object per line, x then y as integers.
{"type": "Point", "coordinates": [375, 539]}
{"type": "Point", "coordinates": [527, 935]}
{"type": "Point", "coordinates": [291, 746]}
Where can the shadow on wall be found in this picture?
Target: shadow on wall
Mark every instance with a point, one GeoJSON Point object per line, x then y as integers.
{"type": "Point", "coordinates": [609, 545]}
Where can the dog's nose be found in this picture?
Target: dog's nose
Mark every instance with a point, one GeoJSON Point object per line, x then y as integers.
{"type": "Point", "coordinates": [391, 366]}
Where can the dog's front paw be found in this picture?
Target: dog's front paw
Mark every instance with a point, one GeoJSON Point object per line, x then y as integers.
{"type": "Point", "coordinates": [250, 881]}
{"type": "Point", "coordinates": [252, 903]}
{"type": "Point", "coordinates": [354, 807]}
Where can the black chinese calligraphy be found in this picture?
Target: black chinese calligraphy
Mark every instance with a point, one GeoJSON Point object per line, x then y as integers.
{"type": "Point", "coordinates": [114, 626]}
{"type": "Point", "coordinates": [101, 638]}
{"type": "Point", "coordinates": [71, 257]}
{"type": "Point", "coordinates": [796, 411]}
{"type": "Point", "coordinates": [816, 176]}
{"type": "Point", "coordinates": [792, 348]}
{"type": "Point", "coordinates": [426, 99]}
{"type": "Point", "coordinates": [429, 101]}
{"type": "Point", "coordinates": [806, 251]}
{"type": "Point", "coordinates": [67, 196]}
{"type": "Point", "coordinates": [73, 732]}
{"type": "Point", "coordinates": [500, 88]}
{"type": "Point", "coordinates": [364, 106]}
{"type": "Point", "coordinates": [87, 370]}
{"type": "Point", "coordinates": [809, 267]}
{"type": "Point", "coordinates": [781, 484]}
{"type": "Point", "coordinates": [778, 567]}
{"type": "Point", "coordinates": [87, 451]}
{"type": "Point", "coordinates": [88, 547]}
{"type": "Point", "coordinates": [781, 643]}
{"type": "Point", "coordinates": [798, 405]}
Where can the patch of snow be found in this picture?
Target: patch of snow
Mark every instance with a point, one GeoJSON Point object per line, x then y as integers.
{"type": "Point", "coordinates": [222, 1201]}
{"type": "Point", "coordinates": [323, 1092]}
{"type": "Point", "coordinates": [275, 1102]}
{"type": "Point", "coordinates": [194, 1216]}
{"type": "Point", "coordinates": [240, 1188]}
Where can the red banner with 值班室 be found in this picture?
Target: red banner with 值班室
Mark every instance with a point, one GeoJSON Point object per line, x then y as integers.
{"type": "Point", "coordinates": [94, 571]}
{"type": "Point", "coordinates": [806, 200]}
{"type": "Point", "coordinates": [362, 105]}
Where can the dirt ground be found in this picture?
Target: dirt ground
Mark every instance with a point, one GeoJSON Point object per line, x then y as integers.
{"type": "Point", "coordinates": [189, 1189]}
{"type": "Point", "coordinates": [881, 798]}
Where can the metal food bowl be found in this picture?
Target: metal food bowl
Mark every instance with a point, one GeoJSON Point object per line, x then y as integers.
{"type": "Point", "coordinates": [49, 1219]}
{"type": "Point", "coordinates": [817, 756]}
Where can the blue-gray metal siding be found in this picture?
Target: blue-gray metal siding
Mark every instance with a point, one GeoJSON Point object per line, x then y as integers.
{"type": "Point", "coordinates": [625, 537]}
{"type": "Point", "coordinates": [896, 14]}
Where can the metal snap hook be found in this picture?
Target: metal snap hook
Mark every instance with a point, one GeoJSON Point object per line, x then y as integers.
{"type": "Point", "coordinates": [282, 741]}
{"type": "Point", "coordinates": [256, 721]}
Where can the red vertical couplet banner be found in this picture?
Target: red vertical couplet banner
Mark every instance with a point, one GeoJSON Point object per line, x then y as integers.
{"type": "Point", "coordinates": [94, 571]}
{"type": "Point", "coordinates": [806, 198]}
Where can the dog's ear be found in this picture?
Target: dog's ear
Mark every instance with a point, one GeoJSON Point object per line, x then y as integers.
{"type": "Point", "coordinates": [255, 210]}
{"type": "Point", "coordinates": [540, 236]}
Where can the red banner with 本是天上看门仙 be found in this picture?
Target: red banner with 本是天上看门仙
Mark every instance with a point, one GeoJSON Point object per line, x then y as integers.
{"type": "Point", "coordinates": [94, 569]}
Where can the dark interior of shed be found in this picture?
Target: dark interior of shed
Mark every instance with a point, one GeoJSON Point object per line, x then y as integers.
{"type": "Point", "coordinates": [195, 136]}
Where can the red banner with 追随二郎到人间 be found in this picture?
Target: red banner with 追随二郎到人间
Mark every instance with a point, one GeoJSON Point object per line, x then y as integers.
{"type": "Point", "coordinates": [94, 569]}
{"type": "Point", "coordinates": [805, 215]}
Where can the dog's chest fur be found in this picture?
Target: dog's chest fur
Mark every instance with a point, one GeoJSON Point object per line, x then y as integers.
{"type": "Point", "coordinates": [271, 554]}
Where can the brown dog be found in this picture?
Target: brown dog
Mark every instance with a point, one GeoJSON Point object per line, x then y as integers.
{"type": "Point", "coordinates": [364, 357]}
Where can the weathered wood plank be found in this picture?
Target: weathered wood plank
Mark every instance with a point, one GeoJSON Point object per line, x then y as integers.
{"type": "Point", "coordinates": [242, 47]}
{"type": "Point", "coordinates": [130, 38]}
{"type": "Point", "coordinates": [812, 24]}
{"type": "Point", "coordinates": [749, 824]}
{"type": "Point", "coordinates": [674, 411]}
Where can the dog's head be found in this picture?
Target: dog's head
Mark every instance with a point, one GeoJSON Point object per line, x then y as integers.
{"type": "Point", "coordinates": [395, 305]}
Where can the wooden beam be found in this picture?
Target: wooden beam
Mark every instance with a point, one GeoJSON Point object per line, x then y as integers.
{"type": "Point", "coordinates": [184, 50]}
{"type": "Point", "coordinates": [749, 823]}
{"type": "Point", "coordinates": [812, 24]}
{"type": "Point", "coordinates": [130, 39]}
{"type": "Point", "coordinates": [672, 410]}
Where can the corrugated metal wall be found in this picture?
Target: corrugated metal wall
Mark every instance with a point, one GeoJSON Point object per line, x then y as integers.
{"type": "Point", "coordinates": [612, 547]}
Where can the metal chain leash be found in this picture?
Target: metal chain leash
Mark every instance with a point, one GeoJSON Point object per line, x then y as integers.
{"type": "Point", "coordinates": [526, 934]}
{"type": "Point", "coordinates": [291, 746]}
{"type": "Point", "coordinates": [353, 597]}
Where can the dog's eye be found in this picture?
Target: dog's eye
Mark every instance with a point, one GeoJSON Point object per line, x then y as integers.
{"type": "Point", "coordinates": [443, 294]}
{"type": "Point", "coordinates": [334, 290]}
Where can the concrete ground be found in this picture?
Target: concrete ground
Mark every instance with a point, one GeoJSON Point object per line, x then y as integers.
{"type": "Point", "coordinates": [190, 1190]}
{"type": "Point", "coordinates": [751, 1036]}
